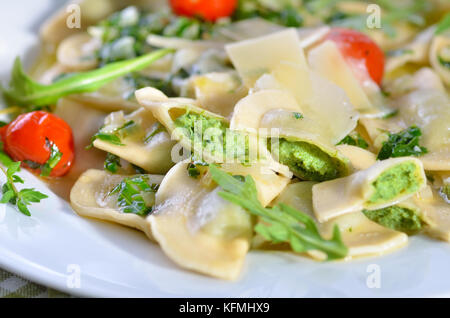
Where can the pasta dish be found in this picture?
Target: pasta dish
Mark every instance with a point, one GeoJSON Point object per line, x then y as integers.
{"type": "Point", "coordinates": [217, 127]}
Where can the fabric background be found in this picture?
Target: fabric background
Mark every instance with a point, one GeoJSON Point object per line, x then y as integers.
{"type": "Point", "coordinates": [12, 286]}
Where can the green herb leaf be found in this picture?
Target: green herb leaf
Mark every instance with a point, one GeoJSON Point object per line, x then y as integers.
{"type": "Point", "coordinates": [55, 158]}
{"type": "Point", "coordinates": [354, 140]}
{"type": "Point", "coordinates": [194, 170]}
{"type": "Point", "coordinates": [23, 208]}
{"type": "Point", "coordinates": [10, 194]}
{"type": "Point", "coordinates": [31, 195]}
{"type": "Point", "coordinates": [112, 163]}
{"type": "Point", "coordinates": [133, 195]}
{"type": "Point", "coordinates": [298, 115]}
{"type": "Point", "coordinates": [156, 129]}
{"type": "Point", "coordinates": [280, 223]}
{"type": "Point", "coordinates": [5, 159]}
{"type": "Point", "coordinates": [111, 138]}
{"type": "Point", "coordinates": [115, 136]}
{"type": "Point", "coordinates": [13, 169]}
{"type": "Point", "coordinates": [23, 91]}
{"type": "Point", "coordinates": [391, 114]}
{"type": "Point", "coordinates": [403, 144]}
{"type": "Point", "coordinates": [138, 81]}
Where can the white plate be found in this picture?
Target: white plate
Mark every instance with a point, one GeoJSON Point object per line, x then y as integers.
{"type": "Point", "coordinates": [54, 243]}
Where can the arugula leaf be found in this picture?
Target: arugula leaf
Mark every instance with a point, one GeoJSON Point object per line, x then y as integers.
{"type": "Point", "coordinates": [10, 194]}
{"type": "Point", "coordinates": [23, 91]}
{"type": "Point", "coordinates": [112, 163]}
{"type": "Point", "coordinates": [55, 158]}
{"type": "Point", "coordinates": [443, 25]}
{"type": "Point", "coordinates": [280, 223]}
{"type": "Point", "coordinates": [403, 144]}
{"type": "Point", "coordinates": [133, 195]}
{"type": "Point", "coordinates": [354, 140]}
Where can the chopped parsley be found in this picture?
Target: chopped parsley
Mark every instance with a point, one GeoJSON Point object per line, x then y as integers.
{"type": "Point", "coordinates": [391, 114]}
{"type": "Point", "coordinates": [124, 34]}
{"type": "Point", "coordinates": [354, 140]}
{"type": "Point", "coordinates": [115, 136]}
{"type": "Point", "coordinates": [55, 158]}
{"type": "Point", "coordinates": [155, 129]}
{"type": "Point", "coordinates": [138, 81]}
{"type": "Point", "coordinates": [194, 170]}
{"type": "Point", "coordinates": [47, 167]}
{"type": "Point", "coordinates": [403, 144]}
{"type": "Point", "coordinates": [135, 195]}
{"type": "Point", "coordinates": [112, 163]}
{"type": "Point", "coordinates": [111, 138]}
{"type": "Point", "coordinates": [298, 115]}
{"type": "Point", "coordinates": [289, 15]}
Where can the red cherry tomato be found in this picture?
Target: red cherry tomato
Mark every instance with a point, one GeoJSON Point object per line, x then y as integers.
{"type": "Point", "coordinates": [29, 138]}
{"type": "Point", "coordinates": [210, 10]}
{"type": "Point", "coordinates": [356, 46]}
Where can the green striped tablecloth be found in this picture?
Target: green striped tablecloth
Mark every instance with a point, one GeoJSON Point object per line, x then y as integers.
{"type": "Point", "coordinates": [12, 286]}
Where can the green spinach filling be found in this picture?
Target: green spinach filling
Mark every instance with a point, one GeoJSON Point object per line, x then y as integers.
{"type": "Point", "coordinates": [309, 162]}
{"type": "Point", "coordinates": [399, 180]}
{"type": "Point", "coordinates": [212, 135]}
{"type": "Point", "coordinates": [397, 218]}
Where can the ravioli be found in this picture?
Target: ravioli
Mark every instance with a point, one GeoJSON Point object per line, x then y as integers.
{"type": "Point", "coordinates": [200, 231]}
{"type": "Point", "coordinates": [383, 184]}
{"type": "Point", "coordinates": [147, 144]}
{"type": "Point", "coordinates": [90, 197]}
{"type": "Point", "coordinates": [295, 139]}
{"type": "Point", "coordinates": [437, 214]}
{"type": "Point", "coordinates": [440, 56]}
